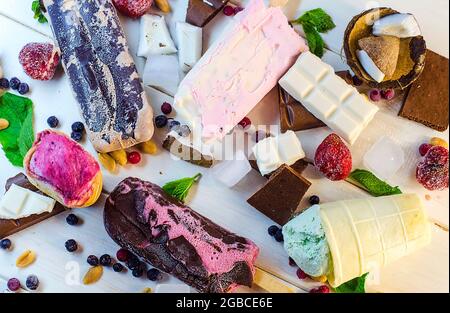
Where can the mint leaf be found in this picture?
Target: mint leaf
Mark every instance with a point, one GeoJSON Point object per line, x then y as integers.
{"type": "Point", "coordinates": [356, 285]}
{"type": "Point", "coordinates": [372, 184]}
{"type": "Point", "coordinates": [315, 41]}
{"type": "Point", "coordinates": [37, 10]}
{"type": "Point", "coordinates": [180, 188]}
{"type": "Point", "coordinates": [42, 19]}
{"type": "Point", "coordinates": [26, 135]}
{"type": "Point", "coordinates": [36, 6]}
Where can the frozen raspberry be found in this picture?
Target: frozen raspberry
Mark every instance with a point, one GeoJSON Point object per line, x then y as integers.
{"type": "Point", "coordinates": [388, 94]}
{"type": "Point", "coordinates": [228, 10]}
{"type": "Point", "coordinates": [301, 274]}
{"type": "Point", "coordinates": [432, 171]}
{"type": "Point", "coordinates": [245, 122]}
{"type": "Point", "coordinates": [39, 60]}
{"type": "Point", "coordinates": [375, 95]}
{"type": "Point", "coordinates": [423, 149]}
{"type": "Point", "coordinates": [133, 8]}
{"type": "Point", "coordinates": [333, 158]}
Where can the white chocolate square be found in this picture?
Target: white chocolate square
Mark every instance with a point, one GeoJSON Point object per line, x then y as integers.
{"type": "Point", "coordinates": [14, 200]}
{"type": "Point", "coordinates": [189, 41]}
{"type": "Point", "coordinates": [312, 66]}
{"type": "Point", "coordinates": [335, 87]}
{"type": "Point", "coordinates": [320, 105]}
{"type": "Point", "coordinates": [266, 155]}
{"type": "Point", "coordinates": [289, 148]}
{"type": "Point", "coordinates": [296, 84]}
{"type": "Point", "coordinates": [345, 126]}
{"type": "Point", "coordinates": [360, 108]}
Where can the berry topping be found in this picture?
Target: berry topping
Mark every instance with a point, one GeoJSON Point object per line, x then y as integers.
{"type": "Point", "coordinates": [314, 200]}
{"type": "Point", "coordinates": [292, 262]}
{"type": "Point", "coordinates": [32, 282]}
{"type": "Point", "coordinates": [105, 260]}
{"type": "Point", "coordinates": [154, 274]}
{"type": "Point", "coordinates": [122, 255]}
{"type": "Point", "coordinates": [13, 284]}
{"type": "Point", "coordinates": [279, 235]}
{"type": "Point", "coordinates": [134, 157]}
{"type": "Point", "coordinates": [133, 262]}
{"type": "Point", "coordinates": [272, 230]}
{"type": "Point", "coordinates": [357, 81]}
{"type": "Point", "coordinates": [432, 171]}
{"type": "Point", "coordinates": [117, 267]}
{"type": "Point", "coordinates": [4, 83]}
{"type": "Point", "coordinates": [321, 289]}
{"type": "Point", "coordinates": [133, 9]}
{"type": "Point", "coordinates": [72, 219]}
{"type": "Point", "coordinates": [301, 274]}
{"type": "Point", "coordinates": [71, 245]}
{"type": "Point", "coordinates": [5, 244]}
{"type": "Point", "coordinates": [245, 122]}
{"type": "Point", "coordinates": [39, 60]}
{"type": "Point", "coordinates": [333, 158]}
{"type": "Point", "coordinates": [436, 141]}
{"type": "Point", "coordinates": [78, 127]}
{"type": "Point", "coordinates": [137, 272]}
{"type": "Point", "coordinates": [375, 95]}
{"type": "Point", "coordinates": [166, 108]}
{"type": "Point", "coordinates": [14, 83]}
{"type": "Point", "coordinates": [388, 94]}
{"type": "Point", "coordinates": [423, 149]}
{"type": "Point", "coordinates": [77, 136]}
{"type": "Point", "coordinates": [53, 121]}
{"type": "Point", "coordinates": [23, 88]}
{"type": "Point", "coordinates": [160, 121]}
{"type": "Point", "coordinates": [228, 10]}
{"type": "Point", "coordinates": [92, 260]}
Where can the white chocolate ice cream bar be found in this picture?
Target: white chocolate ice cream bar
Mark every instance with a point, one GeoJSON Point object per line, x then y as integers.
{"type": "Point", "coordinates": [189, 41]}
{"type": "Point", "coordinates": [339, 105]}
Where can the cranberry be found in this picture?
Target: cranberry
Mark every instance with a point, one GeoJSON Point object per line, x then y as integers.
{"type": "Point", "coordinates": [13, 284]}
{"type": "Point", "coordinates": [324, 289]}
{"type": "Point", "coordinates": [122, 255]}
{"type": "Point", "coordinates": [246, 122]}
{"type": "Point", "coordinates": [301, 274]}
{"type": "Point", "coordinates": [228, 10]}
{"type": "Point", "coordinates": [166, 108]}
{"type": "Point", "coordinates": [375, 95]}
{"type": "Point", "coordinates": [388, 94]}
{"type": "Point", "coordinates": [423, 149]}
{"type": "Point", "coordinates": [134, 157]}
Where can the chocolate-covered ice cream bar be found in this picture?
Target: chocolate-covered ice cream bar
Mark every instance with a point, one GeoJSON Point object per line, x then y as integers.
{"type": "Point", "coordinates": [95, 55]}
{"type": "Point", "coordinates": [142, 218]}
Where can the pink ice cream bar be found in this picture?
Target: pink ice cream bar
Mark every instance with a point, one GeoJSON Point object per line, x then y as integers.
{"type": "Point", "coordinates": [237, 71]}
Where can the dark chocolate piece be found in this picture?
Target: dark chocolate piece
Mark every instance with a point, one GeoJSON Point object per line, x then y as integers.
{"type": "Point", "coordinates": [9, 227]}
{"type": "Point", "coordinates": [139, 215]}
{"type": "Point", "coordinates": [299, 166]}
{"type": "Point", "coordinates": [200, 12]}
{"type": "Point", "coordinates": [280, 197]}
{"type": "Point", "coordinates": [427, 99]}
{"type": "Point", "coordinates": [186, 153]}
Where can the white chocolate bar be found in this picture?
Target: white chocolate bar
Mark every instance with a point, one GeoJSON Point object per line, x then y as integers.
{"type": "Point", "coordinates": [272, 152]}
{"type": "Point", "coordinates": [339, 105]}
{"type": "Point", "coordinates": [189, 40]}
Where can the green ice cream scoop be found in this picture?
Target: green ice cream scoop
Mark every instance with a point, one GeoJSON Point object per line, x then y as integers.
{"type": "Point", "coordinates": [306, 244]}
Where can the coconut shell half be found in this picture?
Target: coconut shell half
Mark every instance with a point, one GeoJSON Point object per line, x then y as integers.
{"type": "Point", "coordinates": [411, 58]}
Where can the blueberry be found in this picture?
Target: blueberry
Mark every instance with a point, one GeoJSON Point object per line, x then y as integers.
{"type": "Point", "coordinates": [173, 125]}
{"type": "Point", "coordinates": [92, 260]}
{"type": "Point", "coordinates": [166, 108]}
{"type": "Point", "coordinates": [132, 263]}
{"type": "Point", "coordinates": [4, 83]}
{"type": "Point", "coordinates": [184, 131]}
{"type": "Point", "coordinates": [117, 267]}
{"type": "Point", "coordinates": [314, 200]}
{"type": "Point", "coordinates": [154, 274]}
{"type": "Point", "coordinates": [105, 260]}
{"type": "Point", "coordinates": [72, 219]}
{"type": "Point", "coordinates": [160, 121]}
{"type": "Point", "coordinates": [71, 245]}
{"type": "Point", "coordinates": [77, 136]}
{"type": "Point", "coordinates": [52, 121]}
{"type": "Point", "coordinates": [272, 230]}
{"type": "Point", "coordinates": [14, 83]}
{"type": "Point", "coordinates": [137, 272]}
{"type": "Point", "coordinates": [32, 282]}
{"type": "Point", "coordinates": [5, 244]}
{"type": "Point", "coordinates": [23, 88]}
{"type": "Point", "coordinates": [78, 127]}
{"type": "Point", "coordinates": [279, 235]}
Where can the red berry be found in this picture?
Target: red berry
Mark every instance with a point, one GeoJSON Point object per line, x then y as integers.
{"type": "Point", "coordinates": [301, 274]}
{"type": "Point", "coordinates": [13, 284]}
{"type": "Point", "coordinates": [166, 108]}
{"type": "Point", "coordinates": [122, 255]}
{"type": "Point", "coordinates": [228, 10]}
{"type": "Point", "coordinates": [333, 158]}
{"type": "Point", "coordinates": [39, 60]}
{"type": "Point", "coordinates": [321, 289]}
{"type": "Point", "coordinates": [246, 122]}
{"type": "Point", "coordinates": [292, 262]}
{"type": "Point", "coordinates": [423, 149]}
{"type": "Point", "coordinates": [375, 95]}
{"type": "Point", "coordinates": [388, 94]}
{"type": "Point", "coordinates": [134, 157]}
{"type": "Point", "coordinates": [432, 171]}
{"type": "Point", "coordinates": [133, 8]}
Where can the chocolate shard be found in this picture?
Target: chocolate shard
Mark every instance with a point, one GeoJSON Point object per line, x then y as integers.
{"type": "Point", "coordinates": [193, 248]}
{"type": "Point", "coordinates": [426, 102]}
{"type": "Point", "coordinates": [299, 166]}
{"type": "Point", "coordinates": [200, 12]}
{"type": "Point", "coordinates": [280, 197]}
{"type": "Point", "coordinates": [9, 227]}
{"type": "Point", "coordinates": [188, 154]}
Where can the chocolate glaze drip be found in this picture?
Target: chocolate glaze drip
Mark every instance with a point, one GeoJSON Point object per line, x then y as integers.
{"type": "Point", "coordinates": [128, 225]}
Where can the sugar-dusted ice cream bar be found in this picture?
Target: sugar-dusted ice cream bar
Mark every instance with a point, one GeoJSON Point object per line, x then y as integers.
{"type": "Point", "coordinates": [103, 76]}
{"type": "Point", "coordinates": [346, 239]}
{"type": "Point", "coordinates": [237, 71]}
{"type": "Point", "coordinates": [339, 105]}
{"type": "Point", "coordinates": [141, 217]}
{"type": "Point", "coordinates": [189, 40]}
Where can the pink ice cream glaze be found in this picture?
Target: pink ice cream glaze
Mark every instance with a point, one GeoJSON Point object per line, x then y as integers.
{"type": "Point", "coordinates": [64, 164]}
{"type": "Point", "coordinates": [239, 69]}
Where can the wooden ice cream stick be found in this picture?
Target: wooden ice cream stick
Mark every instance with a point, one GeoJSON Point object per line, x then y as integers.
{"type": "Point", "coordinates": [272, 283]}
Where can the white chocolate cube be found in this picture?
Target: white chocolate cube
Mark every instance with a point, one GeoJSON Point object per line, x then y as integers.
{"type": "Point", "coordinates": [154, 37]}
{"type": "Point", "coordinates": [189, 41]}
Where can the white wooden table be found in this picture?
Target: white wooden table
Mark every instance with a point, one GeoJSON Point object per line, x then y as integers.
{"type": "Point", "coordinates": [60, 271]}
